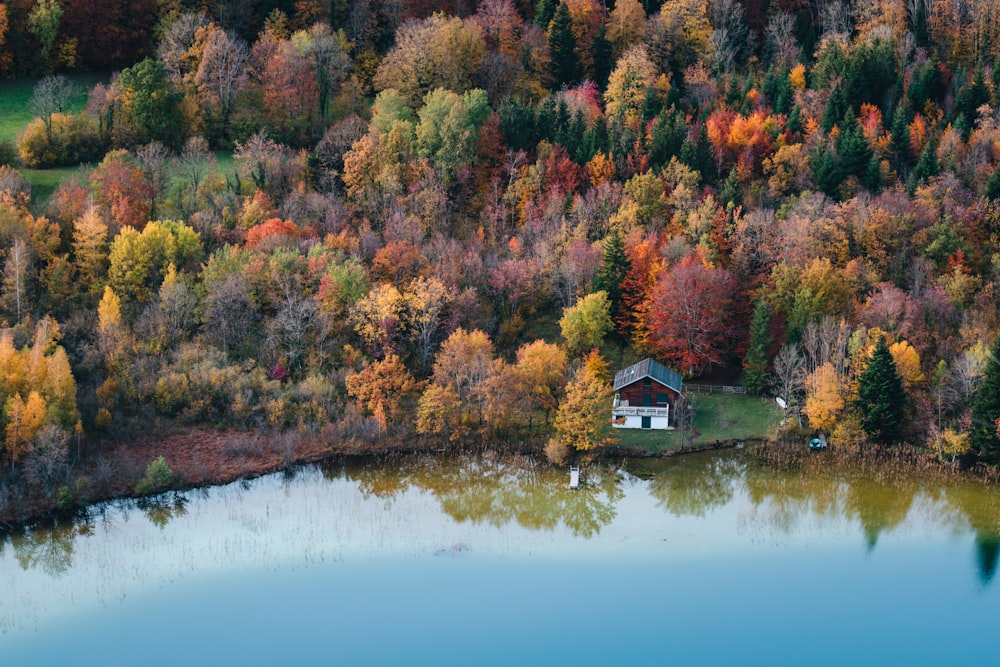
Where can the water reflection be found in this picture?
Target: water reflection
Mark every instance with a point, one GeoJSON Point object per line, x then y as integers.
{"type": "Point", "coordinates": [496, 489]}
{"type": "Point", "coordinates": [49, 549]}
{"type": "Point", "coordinates": [694, 485]}
{"type": "Point", "coordinates": [161, 509]}
{"type": "Point", "coordinates": [499, 491]}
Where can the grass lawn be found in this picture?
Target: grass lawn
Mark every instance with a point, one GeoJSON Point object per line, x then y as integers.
{"type": "Point", "coordinates": [45, 181]}
{"type": "Point", "coordinates": [717, 417]}
{"type": "Point", "coordinates": [15, 101]}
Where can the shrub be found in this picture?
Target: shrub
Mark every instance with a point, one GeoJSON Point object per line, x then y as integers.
{"type": "Point", "coordinates": [73, 140]}
{"type": "Point", "coordinates": [158, 477]}
{"type": "Point", "coordinates": [8, 153]}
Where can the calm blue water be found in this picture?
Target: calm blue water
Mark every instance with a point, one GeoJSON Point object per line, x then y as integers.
{"type": "Point", "coordinates": [490, 561]}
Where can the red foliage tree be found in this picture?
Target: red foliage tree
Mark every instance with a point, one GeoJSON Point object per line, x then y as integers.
{"type": "Point", "coordinates": [689, 315]}
{"type": "Point", "coordinates": [277, 232]}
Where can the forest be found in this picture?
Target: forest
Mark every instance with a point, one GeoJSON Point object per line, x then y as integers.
{"type": "Point", "coordinates": [410, 219]}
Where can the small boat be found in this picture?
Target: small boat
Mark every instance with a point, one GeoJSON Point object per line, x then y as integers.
{"type": "Point", "coordinates": [819, 442]}
{"type": "Point", "coordinates": [574, 477]}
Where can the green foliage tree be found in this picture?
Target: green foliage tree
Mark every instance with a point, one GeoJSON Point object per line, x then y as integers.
{"type": "Point", "coordinates": [986, 410]}
{"type": "Point", "coordinates": [158, 478]}
{"type": "Point", "coordinates": [43, 22]}
{"type": "Point", "coordinates": [148, 106]}
{"type": "Point", "coordinates": [756, 378]}
{"type": "Point", "coordinates": [881, 397]}
{"type": "Point", "coordinates": [586, 323]}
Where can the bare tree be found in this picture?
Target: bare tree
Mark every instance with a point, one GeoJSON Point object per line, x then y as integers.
{"type": "Point", "coordinates": [52, 95]}
{"type": "Point", "coordinates": [47, 458]}
{"type": "Point", "coordinates": [781, 38]}
{"type": "Point", "coordinates": [222, 73]}
{"type": "Point", "coordinates": [176, 44]}
{"type": "Point", "coordinates": [230, 313]}
{"type": "Point", "coordinates": [153, 161]}
{"type": "Point", "coordinates": [14, 290]}
{"type": "Point", "coordinates": [789, 373]}
{"type": "Point", "coordinates": [192, 166]}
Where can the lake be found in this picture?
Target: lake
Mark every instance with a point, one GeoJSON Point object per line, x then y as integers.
{"type": "Point", "coordinates": [482, 559]}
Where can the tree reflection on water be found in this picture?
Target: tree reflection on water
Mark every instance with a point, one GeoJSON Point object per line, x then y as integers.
{"type": "Point", "coordinates": [507, 489]}
{"type": "Point", "coordinates": [496, 489]}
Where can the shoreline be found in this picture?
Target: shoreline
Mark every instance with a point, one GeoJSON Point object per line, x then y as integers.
{"type": "Point", "coordinates": [202, 458]}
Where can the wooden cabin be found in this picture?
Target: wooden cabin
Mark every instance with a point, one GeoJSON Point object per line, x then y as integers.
{"type": "Point", "coordinates": [645, 396]}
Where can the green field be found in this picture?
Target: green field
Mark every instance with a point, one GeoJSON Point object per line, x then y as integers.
{"type": "Point", "coordinates": [717, 417]}
{"type": "Point", "coordinates": [15, 101]}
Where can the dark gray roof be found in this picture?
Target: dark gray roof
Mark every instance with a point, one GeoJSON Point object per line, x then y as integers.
{"type": "Point", "coordinates": [652, 369]}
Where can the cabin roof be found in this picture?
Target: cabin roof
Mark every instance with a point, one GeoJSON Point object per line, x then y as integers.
{"type": "Point", "coordinates": [652, 369]}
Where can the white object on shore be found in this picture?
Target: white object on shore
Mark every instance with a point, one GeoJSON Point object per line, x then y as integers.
{"type": "Point", "coordinates": [574, 477]}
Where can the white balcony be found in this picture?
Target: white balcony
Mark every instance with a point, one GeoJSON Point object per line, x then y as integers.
{"type": "Point", "coordinates": [639, 411]}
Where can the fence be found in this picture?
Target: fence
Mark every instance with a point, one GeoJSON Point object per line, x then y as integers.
{"type": "Point", "coordinates": [713, 389]}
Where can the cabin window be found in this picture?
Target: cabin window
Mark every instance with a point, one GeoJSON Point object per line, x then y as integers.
{"type": "Point", "coordinates": [647, 383]}
{"type": "Point", "coordinates": [662, 399]}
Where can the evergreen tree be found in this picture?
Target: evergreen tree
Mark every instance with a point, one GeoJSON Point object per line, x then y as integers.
{"type": "Point", "coordinates": [545, 121]}
{"type": "Point", "coordinates": [968, 101]}
{"type": "Point", "coordinates": [612, 271]}
{"type": "Point", "coordinates": [836, 107]}
{"type": "Point", "coordinates": [597, 137]}
{"type": "Point", "coordinates": [899, 139]}
{"type": "Point", "coordinates": [756, 378]}
{"type": "Point", "coordinates": [697, 154]}
{"type": "Point", "coordinates": [544, 12]}
{"type": "Point", "coordinates": [881, 397]}
{"type": "Point", "coordinates": [985, 410]}
{"type": "Point", "coordinates": [926, 168]}
{"type": "Point", "coordinates": [731, 195]}
{"type": "Point", "coordinates": [562, 47]}
{"type": "Point", "coordinates": [604, 61]}
{"type": "Point", "coordinates": [993, 184]}
{"type": "Point", "coordinates": [666, 137]}
{"type": "Point", "coordinates": [853, 148]}
{"type": "Point", "coordinates": [827, 174]}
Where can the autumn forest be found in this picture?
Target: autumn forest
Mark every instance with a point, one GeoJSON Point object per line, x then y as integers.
{"type": "Point", "coordinates": [374, 221]}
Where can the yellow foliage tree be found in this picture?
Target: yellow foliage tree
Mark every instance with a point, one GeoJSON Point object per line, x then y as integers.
{"type": "Point", "coordinates": [824, 397]}
{"type": "Point", "coordinates": [24, 420]}
{"type": "Point", "coordinates": [584, 418]}
{"type": "Point", "coordinates": [907, 364]}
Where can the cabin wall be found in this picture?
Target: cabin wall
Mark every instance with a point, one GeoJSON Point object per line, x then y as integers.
{"type": "Point", "coordinates": [633, 393]}
{"type": "Point", "coordinates": [655, 423]}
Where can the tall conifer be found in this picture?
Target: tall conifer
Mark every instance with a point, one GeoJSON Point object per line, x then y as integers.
{"type": "Point", "coordinates": [986, 410]}
{"type": "Point", "coordinates": [881, 397]}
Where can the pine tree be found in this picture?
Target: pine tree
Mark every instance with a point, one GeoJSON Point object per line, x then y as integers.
{"type": "Point", "coordinates": [853, 148]}
{"type": "Point", "coordinates": [926, 168]}
{"type": "Point", "coordinates": [881, 397]}
{"type": "Point", "coordinates": [993, 184]}
{"type": "Point", "coordinates": [827, 173]}
{"type": "Point", "coordinates": [544, 12]}
{"type": "Point", "coordinates": [604, 61]}
{"type": "Point", "coordinates": [612, 271]}
{"type": "Point", "coordinates": [899, 139]}
{"type": "Point", "coordinates": [836, 107]}
{"type": "Point", "coordinates": [562, 47]}
{"type": "Point", "coordinates": [756, 378]}
{"type": "Point", "coordinates": [986, 410]}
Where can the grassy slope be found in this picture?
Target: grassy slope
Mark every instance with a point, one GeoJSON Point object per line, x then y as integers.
{"type": "Point", "coordinates": [717, 417]}
{"type": "Point", "coordinates": [15, 101]}
{"type": "Point", "coordinates": [15, 113]}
